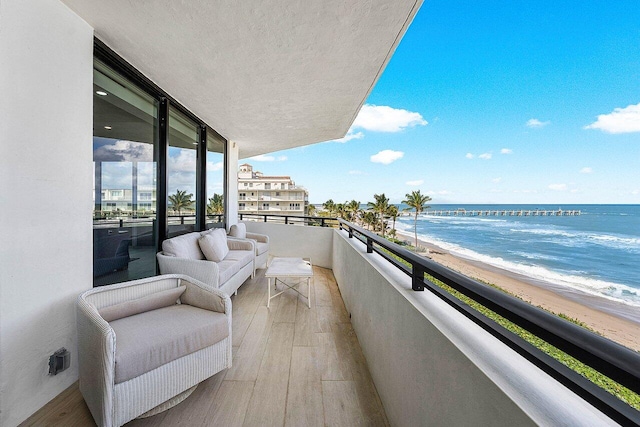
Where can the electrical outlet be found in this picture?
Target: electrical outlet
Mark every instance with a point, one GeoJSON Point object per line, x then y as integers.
{"type": "Point", "coordinates": [59, 361]}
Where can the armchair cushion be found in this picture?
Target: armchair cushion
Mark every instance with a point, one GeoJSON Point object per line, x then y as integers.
{"type": "Point", "coordinates": [151, 339]}
{"type": "Point", "coordinates": [184, 246]}
{"type": "Point", "coordinates": [141, 305]}
{"type": "Point", "coordinates": [214, 245]}
{"type": "Point", "coordinates": [238, 230]}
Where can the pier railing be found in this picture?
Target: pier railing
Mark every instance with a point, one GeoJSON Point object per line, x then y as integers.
{"type": "Point", "coordinates": [605, 356]}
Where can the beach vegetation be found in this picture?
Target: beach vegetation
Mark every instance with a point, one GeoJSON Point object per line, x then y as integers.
{"type": "Point", "coordinates": [621, 392]}
{"type": "Point", "coordinates": [417, 202]}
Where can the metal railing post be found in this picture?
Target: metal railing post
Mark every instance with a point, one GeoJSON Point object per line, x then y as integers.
{"type": "Point", "coordinates": [417, 277]}
{"type": "Point", "coordinates": [369, 245]}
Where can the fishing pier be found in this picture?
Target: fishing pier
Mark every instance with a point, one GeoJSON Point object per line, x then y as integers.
{"type": "Point", "coordinates": [502, 212]}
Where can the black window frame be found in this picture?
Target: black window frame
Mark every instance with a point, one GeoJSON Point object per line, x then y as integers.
{"type": "Point", "coordinates": [110, 58]}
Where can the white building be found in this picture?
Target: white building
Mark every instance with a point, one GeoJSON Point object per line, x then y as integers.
{"type": "Point", "coordinates": [260, 194]}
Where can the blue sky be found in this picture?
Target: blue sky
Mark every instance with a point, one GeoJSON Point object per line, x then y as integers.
{"type": "Point", "coordinates": [493, 102]}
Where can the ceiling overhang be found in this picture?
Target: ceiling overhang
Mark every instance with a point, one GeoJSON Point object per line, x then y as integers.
{"type": "Point", "coordinates": [268, 75]}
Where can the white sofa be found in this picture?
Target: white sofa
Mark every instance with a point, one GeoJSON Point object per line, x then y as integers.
{"type": "Point", "coordinates": [144, 345]}
{"type": "Point", "coordinates": [261, 242]}
{"type": "Point", "coordinates": [183, 255]}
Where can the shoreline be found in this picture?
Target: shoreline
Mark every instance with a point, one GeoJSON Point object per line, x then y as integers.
{"type": "Point", "coordinates": [597, 313]}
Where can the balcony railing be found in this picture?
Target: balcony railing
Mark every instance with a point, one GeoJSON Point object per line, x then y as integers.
{"type": "Point", "coordinates": [605, 356]}
{"type": "Point", "coordinates": [290, 219]}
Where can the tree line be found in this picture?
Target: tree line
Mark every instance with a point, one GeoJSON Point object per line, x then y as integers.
{"type": "Point", "coordinates": [378, 210]}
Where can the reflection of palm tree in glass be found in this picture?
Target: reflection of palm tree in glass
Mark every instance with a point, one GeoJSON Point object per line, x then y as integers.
{"type": "Point", "coordinates": [180, 200]}
{"type": "Point", "coordinates": [215, 205]}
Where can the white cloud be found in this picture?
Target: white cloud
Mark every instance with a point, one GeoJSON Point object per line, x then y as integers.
{"type": "Point", "coordinates": [265, 158]}
{"type": "Point", "coordinates": [635, 192]}
{"type": "Point", "coordinates": [469, 156]}
{"type": "Point", "coordinates": [496, 180]}
{"type": "Point", "coordinates": [214, 166]}
{"type": "Point", "coordinates": [485, 156]}
{"type": "Point", "coordinates": [439, 192]}
{"type": "Point", "coordinates": [382, 118]}
{"type": "Point", "coordinates": [349, 136]}
{"type": "Point", "coordinates": [506, 151]}
{"type": "Point", "coordinates": [535, 123]}
{"type": "Point", "coordinates": [558, 187]}
{"type": "Point", "coordinates": [416, 182]}
{"type": "Point", "coordinates": [586, 170]}
{"type": "Point", "coordinates": [124, 151]}
{"type": "Point", "coordinates": [620, 120]}
{"type": "Point", "coordinates": [387, 156]}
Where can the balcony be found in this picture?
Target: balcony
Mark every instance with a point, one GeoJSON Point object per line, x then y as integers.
{"type": "Point", "coordinates": [370, 349]}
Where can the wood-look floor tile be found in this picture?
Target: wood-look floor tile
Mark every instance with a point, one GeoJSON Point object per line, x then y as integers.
{"type": "Point", "coordinates": [229, 407]}
{"type": "Point", "coordinates": [304, 400]}
{"type": "Point", "coordinates": [268, 402]}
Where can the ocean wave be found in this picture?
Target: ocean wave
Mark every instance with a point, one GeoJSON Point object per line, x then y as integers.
{"type": "Point", "coordinates": [536, 256]}
{"type": "Point", "coordinates": [574, 280]}
{"type": "Point", "coordinates": [579, 239]}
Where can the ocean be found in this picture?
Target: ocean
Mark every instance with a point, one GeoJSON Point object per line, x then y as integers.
{"type": "Point", "coordinates": [596, 254]}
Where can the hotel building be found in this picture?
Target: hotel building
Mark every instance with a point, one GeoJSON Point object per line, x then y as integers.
{"type": "Point", "coordinates": [261, 194]}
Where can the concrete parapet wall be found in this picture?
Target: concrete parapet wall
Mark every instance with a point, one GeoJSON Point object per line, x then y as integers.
{"type": "Point", "coordinates": [433, 366]}
{"type": "Point", "coordinates": [297, 241]}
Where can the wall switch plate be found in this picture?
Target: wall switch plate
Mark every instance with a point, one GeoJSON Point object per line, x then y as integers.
{"type": "Point", "coordinates": [59, 361]}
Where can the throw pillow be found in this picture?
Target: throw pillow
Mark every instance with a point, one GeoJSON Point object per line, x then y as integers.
{"type": "Point", "coordinates": [141, 305]}
{"type": "Point", "coordinates": [238, 230]}
{"type": "Point", "coordinates": [214, 245]}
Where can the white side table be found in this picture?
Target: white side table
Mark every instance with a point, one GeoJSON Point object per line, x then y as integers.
{"type": "Point", "coordinates": [289, 268]}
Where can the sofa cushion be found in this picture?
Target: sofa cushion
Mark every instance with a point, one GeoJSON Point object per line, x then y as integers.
{"type": "Point", "coordinates": [261, 247]}
{"type": "Point", "coordinates": [214, 245]}
{"type": "Point", "coordinates": [151, 339]}
{"type": "Point", "coordinates": [238, 230]}
{"type": "Point", "coordinates": [141, 305]}
{"type": "Point", "coordinates": [233, 263]}
{"type": "Point", "coordinates": [184, 246]}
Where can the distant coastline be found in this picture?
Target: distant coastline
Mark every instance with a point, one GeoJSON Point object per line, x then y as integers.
{"type": "Point", "coordinates": [614, 320]}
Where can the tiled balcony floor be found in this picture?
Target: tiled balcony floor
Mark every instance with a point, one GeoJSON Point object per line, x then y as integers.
{"type": "Point", "coordinates": [292, 366]}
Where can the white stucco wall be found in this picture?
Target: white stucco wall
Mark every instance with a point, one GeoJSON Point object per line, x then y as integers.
{"type": "Point", "coordinates": [433, 366]}
{"type": "Point", "coordinates": [46, 55]}
{"type": "Point", "coordinates": [297, 241]}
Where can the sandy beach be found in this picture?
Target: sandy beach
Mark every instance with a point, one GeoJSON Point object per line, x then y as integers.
{"type": "Point", "coordinates": [622, 330]}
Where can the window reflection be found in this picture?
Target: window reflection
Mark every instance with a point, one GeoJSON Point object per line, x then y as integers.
{"type": "Point", "coordinates": [125, 126]}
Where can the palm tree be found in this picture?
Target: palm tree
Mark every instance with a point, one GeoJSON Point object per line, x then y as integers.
{"type": "Point", "coordinates": [380, 206]}
{"type": "Point", "coordinates": [329, 206]}
{"type": "Point", "coordinates": [415, 200]}
{"type": "Point", "coordinates": [215, 205]}
{"type": "Point", "coordinates": [368, 219]}
{"type": "Point", "coordinates": [311, 210]}
{"type": "Point", "coordinates": [392, 211]}
{"type": "Point", "coordinates": [180, 200]}
{"type": "Point", "coordinates": [353, 209]}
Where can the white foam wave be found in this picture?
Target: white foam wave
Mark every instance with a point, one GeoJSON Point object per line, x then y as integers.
{"type": "Point", "coordinates": [609, 290]}
{"type": "Point", "coordinates": [608, 240]}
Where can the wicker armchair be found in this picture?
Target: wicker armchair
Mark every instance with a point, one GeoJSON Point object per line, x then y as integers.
{"type": "Point", "coordinates": [144, 345]}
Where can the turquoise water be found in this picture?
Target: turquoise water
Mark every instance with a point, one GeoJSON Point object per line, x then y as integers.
{"type": "Point", "coordinates": [596, 253]}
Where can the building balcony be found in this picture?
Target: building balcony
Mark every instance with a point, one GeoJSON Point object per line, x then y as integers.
{"type": "Point", "coordinates": [369, 351]}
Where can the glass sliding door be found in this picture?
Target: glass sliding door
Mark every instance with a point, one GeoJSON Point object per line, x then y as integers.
{"type": "Point", "coordinates": [181, 172]}
{"type": "Point", "coordinates": [125, 125]}
{"type": "Point", "coordinates": [215, 180]}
